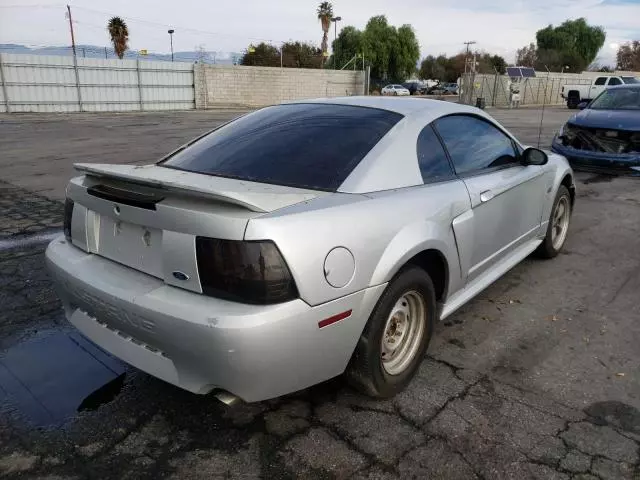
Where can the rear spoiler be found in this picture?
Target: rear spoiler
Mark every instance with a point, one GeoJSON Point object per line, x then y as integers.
{"type": "Point", "coordinates": [257, 197]}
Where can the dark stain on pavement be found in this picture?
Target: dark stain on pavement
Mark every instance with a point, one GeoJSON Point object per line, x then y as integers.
{"type": "Point", "coordinates": [616, 414]}
{"type": "Point", "coordinates": [600, 178]}
{"type": "Point", "coordinates": [51, 375]}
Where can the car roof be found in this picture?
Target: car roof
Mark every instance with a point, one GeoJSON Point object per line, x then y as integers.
{"type": "Point", "coordinates": [625, 86]}
{"type": "Point", "coordinates": [409, 107]}
{"type": "Point", "coordinates": [392, 162]}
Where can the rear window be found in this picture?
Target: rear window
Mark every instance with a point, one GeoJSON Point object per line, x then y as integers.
{"type": "Point", "coordinates": [308, 145]}
{"type": "Point", "coordinates": [630, 80]}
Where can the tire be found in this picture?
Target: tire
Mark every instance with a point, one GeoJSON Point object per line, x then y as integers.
{"type": "Point", "coordinates": [395, 93]}
{"type": "Point", "coordinates": [551, 245]}
{"type": "Point", "coordinates": [572, 102]}
{"type": "Point", "coordinates": [368, 371]}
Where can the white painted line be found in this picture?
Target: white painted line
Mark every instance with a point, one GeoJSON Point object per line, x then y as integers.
{"type": "Point", "coordinates": [28, 240]}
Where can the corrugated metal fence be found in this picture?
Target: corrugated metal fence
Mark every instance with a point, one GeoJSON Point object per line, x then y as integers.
{"type": "Point", "coordinates": [37, 83]}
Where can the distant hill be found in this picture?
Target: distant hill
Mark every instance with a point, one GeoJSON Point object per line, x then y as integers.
{"type": "Point", "coordinates": [93, 51]}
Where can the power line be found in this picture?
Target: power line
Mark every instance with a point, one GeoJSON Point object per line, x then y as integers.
{"type": "Point", "coordinates": [184, 29]}
{"type": "Point", "coordinates": [60, 5]}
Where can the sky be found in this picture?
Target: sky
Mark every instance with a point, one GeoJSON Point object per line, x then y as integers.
{"type": "Point", "coordinates": [498, 26]}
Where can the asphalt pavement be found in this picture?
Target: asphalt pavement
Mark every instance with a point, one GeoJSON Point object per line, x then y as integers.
{"type": "Point", "coordinates": [538, 377]}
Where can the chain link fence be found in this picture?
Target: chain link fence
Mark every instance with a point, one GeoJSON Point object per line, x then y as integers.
{"type": "Point", "coordinates": [496, 90]}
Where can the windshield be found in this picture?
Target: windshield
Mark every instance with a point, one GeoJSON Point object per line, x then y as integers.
{"type": "Point", "coordinates": [617, 99]}
{"type": "Point", "coordinates": [302, 145]}
{"type": "Point", "coordinates": [630, 80]}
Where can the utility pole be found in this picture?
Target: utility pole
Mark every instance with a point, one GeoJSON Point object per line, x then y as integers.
{"type": "Point", "coordinates": [335, 21]}
{"type": "Point", "coordinates": [466, 57]}
{"type": "Point", "coordinates": [73, 39]}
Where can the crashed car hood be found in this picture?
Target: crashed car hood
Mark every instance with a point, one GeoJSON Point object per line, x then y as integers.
{"type": "Point", "coordinates": [609, 119]}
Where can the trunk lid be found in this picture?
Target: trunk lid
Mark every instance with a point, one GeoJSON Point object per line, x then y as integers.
{"type": "Point", "coordinates": [147, 218]}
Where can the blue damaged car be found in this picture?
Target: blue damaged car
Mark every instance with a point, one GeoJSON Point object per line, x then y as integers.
{"type": "Point", "coordinates": [605, 135]}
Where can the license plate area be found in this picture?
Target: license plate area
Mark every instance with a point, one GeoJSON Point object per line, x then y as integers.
{"type": "Point", "coordinates": [135, 246]}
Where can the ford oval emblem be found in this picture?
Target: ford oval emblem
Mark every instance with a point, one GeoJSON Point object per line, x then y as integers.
{"type": "Point", "coordinates": [180, 276]}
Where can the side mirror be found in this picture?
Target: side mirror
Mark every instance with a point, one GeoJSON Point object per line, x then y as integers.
{"type": "Point", "coordinates": [583, 105]}
{"type": "Point", "coordinates": [533, 156]}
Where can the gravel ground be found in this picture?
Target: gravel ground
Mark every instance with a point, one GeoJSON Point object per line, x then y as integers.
{"type": "Point", "coordinates": [538, 377]}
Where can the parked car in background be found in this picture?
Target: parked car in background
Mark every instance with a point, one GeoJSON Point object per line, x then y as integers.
{"type": "Point", "coordinates": [444, 89]}
{"type": "Point", "coordinates": [576, 93]}
{"type": "Point", "coordinates": [415, 88]}
{"type": "Point", "coordinates": [304, 240]}
{"type": "Point", "coordinates": [605, 135]}
{"type": "Point", "coordinates": [395, 90]}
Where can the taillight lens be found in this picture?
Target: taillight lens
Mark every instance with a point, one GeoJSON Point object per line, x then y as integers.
{"type": "Point", "coordinates": [247, 272]}
{"type": "Point", "coordinates": [68, 213]}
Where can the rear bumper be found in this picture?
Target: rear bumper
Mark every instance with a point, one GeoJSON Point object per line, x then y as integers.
{"type": "Point", "coordinates": [200, 343]}
{"type": "Point", "coordinates": [628, 164]}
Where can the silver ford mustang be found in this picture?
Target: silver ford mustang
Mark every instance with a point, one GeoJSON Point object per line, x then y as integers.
{"type": "Point", "coordinates": [303, 241]}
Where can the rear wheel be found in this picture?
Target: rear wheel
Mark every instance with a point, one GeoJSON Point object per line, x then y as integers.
{"type": "Point", "coordinates": [396, 337]}
{"type": "Point", "coordinates": [573, 101]}
{"type": "Point", "coordinates": [558, 225]}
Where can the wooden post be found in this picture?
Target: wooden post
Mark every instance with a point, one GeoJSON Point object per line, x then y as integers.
{"type": "Point", "coordinates": [75, 59]}
{"type": "Point", "coordinates": [139, 84]}
{"type": "Point", "coordinates": [4, 86]}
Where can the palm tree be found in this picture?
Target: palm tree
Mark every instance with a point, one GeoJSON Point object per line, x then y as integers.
{"type": "Point", "coordinates": [119, 34]}
{"type": "Point", "coordinates": [325, 14]}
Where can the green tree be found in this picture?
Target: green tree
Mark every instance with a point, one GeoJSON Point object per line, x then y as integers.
{"type": "Point", "coordinates": [574, 43]}
{"type": "Point", "coordinates": [497, 63]}
{"type": "Point", "coordinates": [406, 54]}
{"type": "Point", "coordinates": [119, 33]}
{"type": "Point", "coordinates": [347, 45]}
{"type": "Point", "coordinates": [301, 55]}
{"type": "Point", "coordinates": [433, 68]}
{"type": "Point", "coordinates": [392, 53]}
{"type": "Point", "coordinates": [325, 14]}
{"type": "Point", "coordinates": [450, 69]}
{"type": "Point", "coordinates": [262, 55]}
{"type": "Point", "coordinates": [379, 40]}
{"type": "Point", "coordinates": [628, 56]}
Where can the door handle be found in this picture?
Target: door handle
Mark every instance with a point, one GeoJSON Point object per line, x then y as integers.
{"type": "Point", "coordinates": [486, 196]}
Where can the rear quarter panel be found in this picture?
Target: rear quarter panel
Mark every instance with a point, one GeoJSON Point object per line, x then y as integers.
{"type": "Point", "coordinates": [382, 231]}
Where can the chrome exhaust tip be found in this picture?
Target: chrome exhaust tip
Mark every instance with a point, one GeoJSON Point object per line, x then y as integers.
{"type": "Point", "coordinates": [226, 397]}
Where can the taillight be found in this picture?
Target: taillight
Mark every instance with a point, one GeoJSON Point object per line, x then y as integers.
{"type": "Point", "coordinates": [68, 213]}
{"type": "Point", "coordinates": [247, 272]}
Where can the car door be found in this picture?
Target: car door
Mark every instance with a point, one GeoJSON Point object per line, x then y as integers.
{"type": "Point", "coordinates": [506, 196]}
{"type": "Point", "coordinates": [597, 87]}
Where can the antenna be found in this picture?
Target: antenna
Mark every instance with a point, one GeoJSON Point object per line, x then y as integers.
{"type": "Point", "coordinates": [544, 101]}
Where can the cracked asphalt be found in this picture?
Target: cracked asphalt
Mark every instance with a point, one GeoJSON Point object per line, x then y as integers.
{"type": "Point", "coordinates": [538, 377]}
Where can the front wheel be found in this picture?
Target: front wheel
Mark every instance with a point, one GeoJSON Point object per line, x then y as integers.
{"type": "Point", "coordinates": [558, 226]}
{"type": "Point", "coordinates": [396, 336]}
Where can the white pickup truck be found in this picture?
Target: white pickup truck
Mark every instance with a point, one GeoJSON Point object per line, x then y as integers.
{"type": "Point", "coordinates": [574, 94]}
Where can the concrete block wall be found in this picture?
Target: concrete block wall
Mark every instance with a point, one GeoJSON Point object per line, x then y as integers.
{"type": "Point", "coordinates": [236, 85]}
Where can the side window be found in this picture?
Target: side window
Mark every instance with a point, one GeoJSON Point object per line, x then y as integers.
{"type": "Point", "coordinates": [600, 81]}
{"type": "Point", "coordinates": [433, 161]}
{"type": "Point", "coordinates": [475, 144]}
{"type": "Point", "coordinates": [615, 81]}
